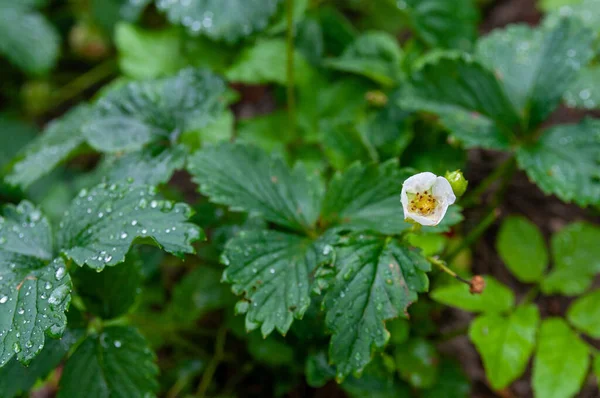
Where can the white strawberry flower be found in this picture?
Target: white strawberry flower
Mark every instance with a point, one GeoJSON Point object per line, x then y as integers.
{"type": "Point", "coordinates": [425, 198]}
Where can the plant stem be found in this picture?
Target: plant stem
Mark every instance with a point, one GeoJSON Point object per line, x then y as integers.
{"type": "Point", "coordinates": [442, 265]}
{"type": "Point", "coordinates": [472, 236]}
{"type": "Point", "coordinates": [214, 362]}
{"type": "Point", "coordinates": [84, 82]}
{"type": "Point", "coordinates": [474, 196]}
{"type": "Point", "coordinates": [291, 100]}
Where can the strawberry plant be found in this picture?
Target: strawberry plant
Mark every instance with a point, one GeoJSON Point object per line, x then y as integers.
{"type": "Point", "coordinates": [270, 198]}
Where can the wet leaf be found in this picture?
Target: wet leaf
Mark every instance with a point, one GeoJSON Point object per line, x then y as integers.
{"type": "Point", "coordinates": [116, 363]}
{"type": "Point", "coordinates": [566, 162]}
{"type": "Point", "coordinates": [215, 19]}
{"type": "Point", "coordinates": [374, 279]}
{"type": "Point", "coordinates": [255, 182]}
{"type": "Point", "coordinates": [129, 117]}
{"type": "Point", "coordinates": [272, 270]}
{"type": "Point", "coordinates": [102, 223]}
{"type": "Point", "coordinates": [417, 362]}
{"type": "Point", "coordinates": [34, 290]}
{"type": "Point", "coordinates": [584, 92]}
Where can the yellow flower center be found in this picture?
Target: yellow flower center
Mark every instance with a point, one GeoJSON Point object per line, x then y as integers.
{"type": "Point", "coordinates": [422, 203]}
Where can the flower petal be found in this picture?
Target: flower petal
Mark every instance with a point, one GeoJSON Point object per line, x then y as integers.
{"type": "Point", "coordinates": [419, 182]}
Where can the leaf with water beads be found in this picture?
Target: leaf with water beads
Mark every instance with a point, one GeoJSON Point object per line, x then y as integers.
{"type": "Point", "coordinates": [115, 363]}
{"type": "Point", "coordinates": [34, 295]}
{"type": "Point", "coordinates": [374, 279]}
{"type": "Point", "coordinates": [584, 93]}
{"type": "Point", "coordinates": [273, 271]}
{"type": "Point", "coordinates": [566, 162]}
{"type": "Point", "coordinates": [228, 20]}
{"type": "Point", "coordinates": [102, 223]}
{"type": "Point", "coordinates": [128, 118]}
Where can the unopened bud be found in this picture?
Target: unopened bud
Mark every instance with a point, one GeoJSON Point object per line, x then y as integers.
{"type": "Point", "coordinates": [376, 98]}
{"type": "Point", "coordinates": [457, 182]}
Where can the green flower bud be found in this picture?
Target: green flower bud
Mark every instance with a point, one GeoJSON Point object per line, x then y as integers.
{"type": "Point", "coordinates": [457, 182]}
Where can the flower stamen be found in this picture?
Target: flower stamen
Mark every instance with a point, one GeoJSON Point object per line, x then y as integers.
{"type": "Point", "coordinates": [423, 203]}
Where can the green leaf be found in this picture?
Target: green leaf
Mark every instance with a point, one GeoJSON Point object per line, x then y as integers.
{"type": "Point", "coordinates": [566, 161]}
{"type": "Point", "coordinates": [551, 5]}
{"type": "Point", "coordinates": [576, 259]}
{"type": "Point", "coordinates": [417, 362]}
{"type": "Point", "coordinates": [442, 23]}
{"type": "Point", "coordinates": [452, 382]}
{"type": "Point", "coordinates": [117, 363]}
{"type": "Point", "coordinates": [220, 130]}
{"type": "Point", "coordinates": [367, 198]}
{"type": "Point", "coordinates": [583, 12]}
{"type": "Point", "coordinates": [399, 329]}
{"type": "Point", "coordinates": [343, 145]}
{"type": "Point", "coordinates": [59, 141]}
{"type": "Point", "coordinates": [584, 314]}
{"type": "Point", "coordinates": [108, 13]}
{"type": "Point", "coordinates": [112, 292]}
{"type": "Point", "coordinates": [318, 371]}
{"type": "Point", "coordinates": [375, 279]}
{"type": "Point", "coordinates": [266, 131]}
{"type": "Point", "coordinates": [128, 118]}
{"type": "Point", "coordinates": [375, 55]}
{"type": "Point", "coordinates": [215, 19]}
{"type": "Point", "coordinates": [266, 62]}
{"type": "Point", "coordinates": [254, 182]}
{"type": "Point", "coordinates": [272, 270]}
{"type": "Point", "coordinates": [270, 351]}
{"type": "Point", "coordinates": [15, 134]}
{"type": "Point", "coordinates": [536, 66]}
{"type": "Point", "coordinates": [376, 382]}
{"type": "Point", "coordinates": [27, 39]}
{"type": "Point", "coordinates": [102, 223]}
{"type": "Point", "coordinates": [199, 292]}
{"type": "Point", "coordinates": [34, 291]}
{"type": "Point", "coordinates": [467, 97]}
{"type": "Point", "coordinates": [145, 167]}
{"type": "Point", "coordinates": [521, 246]}
{"type": "Point", "coordinates": [583, 92]}
{"type": "Point", "coordinates": [496, 297]}
{"type": "Point", "coordinates": [561, 361]}
{"type": "Point", "coordinates": [17, 379]}
{"type": "Point", "coordinates": [505, 344]}
{"type": "Point", "coordinates": [146, 54]}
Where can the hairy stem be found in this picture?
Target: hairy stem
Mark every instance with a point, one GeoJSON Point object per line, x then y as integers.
{"type": "Point", "coordinates": [441, 264]}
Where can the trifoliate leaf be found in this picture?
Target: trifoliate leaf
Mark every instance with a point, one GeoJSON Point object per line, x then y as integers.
{"type": "Point", "coordinates": [441, 23]}
{"type": "Point", "coordinates": [536, 66]}
{"type": "Point", "coordinates": [128, 118]}
{"type": "Point", "coordinates": [102, 223]}
{"type": "Point", "coordinates": [505, 344]}
{"type": "Point", "coordinates": [247, 179]}
{"type": "Point", "coordinates": [110, 293]}
{"type": "Point", "coordinates": [146, 54]}
{"type": "Point", "coordinates": [367, 198]}
{"type": "Point", "coordinates": [197, 293]}
{"type": "Point", "coordinates": [375, 55]}
{"type": "Point", "coordinates": [27, 39]}
{"type": "Point", "coordinates": [34, 292]}
{"type": "Point", "coordinates": [584, 314]}
{"type": "Point", "coordinates": [417, 362]}
{"type": "Point", "coordinates": [227, 20]}
{"type": "Point", "coordinates": [496, 297]}
{"type": "Point", "coordinates": [60, 140]}
{"type": "Point", "coordinates": [117, 363]}
{"type": "Point", "coordinates": [272, 270]}
{"type": "Point", "coordinates": [576, 257]}
{"type": "Point", "coordinates": [561, 361]}
{"type": "Point", "coordinates": [266, 62]}
{"type": "Point", "coordinates": [566, 162]}
{"type": "Point", "coordinates": [521, 246]}
{"type": "Point", "coordinates": [17, 379]}
{"type": "Point", "coordinates": [584, 93]}
{"type": "Point", "coordinates": [375, 279]}
{"type": "Point", "coordinates": [467, 97]}
{"type": "Point", "coordinates": [146, 167]}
